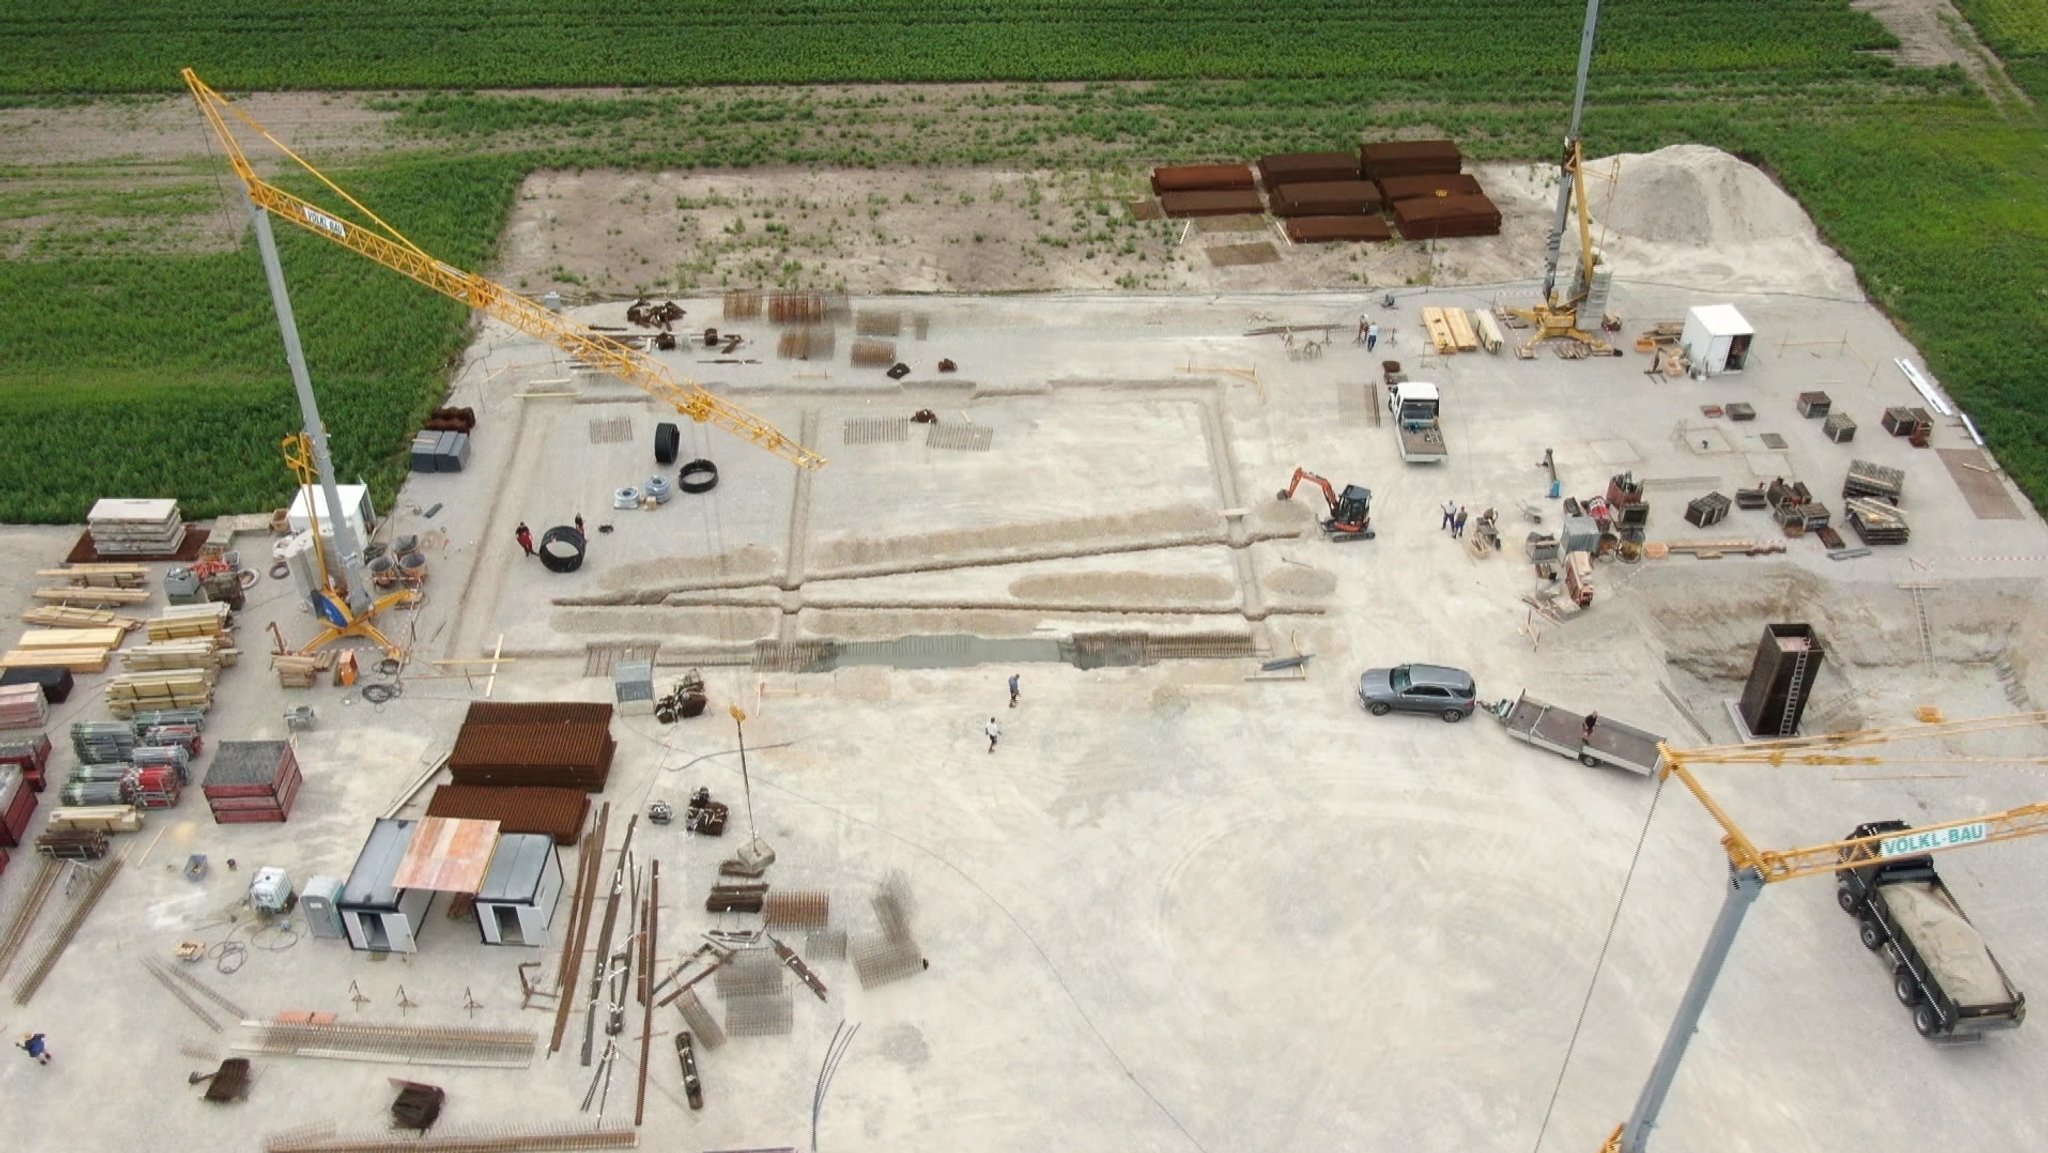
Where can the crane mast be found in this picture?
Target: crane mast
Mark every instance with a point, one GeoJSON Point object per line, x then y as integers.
{"type": "Point", "coordinates": [388, 247]}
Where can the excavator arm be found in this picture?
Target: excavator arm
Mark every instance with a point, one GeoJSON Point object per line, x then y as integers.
{"type": "Point", "coordinates": [1302, 474]}
{"type": "Point", "coordinates": [392, 250]}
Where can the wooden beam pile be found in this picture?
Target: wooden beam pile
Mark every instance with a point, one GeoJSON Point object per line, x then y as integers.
{"type": "Point", "coordinates": [1450, 329]}
{"type": "Point", "coordinates": [100, 576]}
{"type": "Point", "coordinates": [69, 617]}
{"type": "Point", "coordinates": [91, 597]}
{"type": "Point", "coordinates": [179, 622]}
{"type": "Point", "coordinates": [211, 653]}
{"type": "Point", "coordinates": [96, 819]}
{"type": "Point", "coordinates": [300, 670]}
{"type": "Point", "coordinates": [79, 650]}
{"type": "Point", "coordinates": [130, 693]}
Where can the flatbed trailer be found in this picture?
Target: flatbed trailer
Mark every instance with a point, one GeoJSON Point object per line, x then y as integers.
{"type": "Point", "coordinates": [1564, 732]}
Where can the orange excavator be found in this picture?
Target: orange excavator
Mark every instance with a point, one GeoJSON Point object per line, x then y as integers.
{"type": "Point", "coordinates": [1350, 511]}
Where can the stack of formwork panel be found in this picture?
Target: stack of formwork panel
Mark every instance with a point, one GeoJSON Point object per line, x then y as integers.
{"type": "Point", "coordinates": [1430, 186]}
{"type": "Point", "coordinates": [1222, 202]}
{"type": "Point", "coordinates": [539, 744]}
{"type": "Point", "coordinates": [556, 813]}
{"type": "Point", "coordinates": [1380, 160]}
{"type": "Point", "coordinates": [22, 707]}
{"type": "Point", "coordinates": [17, 805]}
{"type": "Point", "coordinates": [1325, 198]}
{"type": "Point", "coordinates": [1201, 178]}
{"type": "Point", "coordinates": [29, 754]}
{"type": "Point", "coordinates": [132, 693]}
{"type": "Point", "coordinates": [1869, 479]}
{"type": "Point", "coordinates": [1876, 522]}
{"type": "Point", "coordinates": [181, 622]}
{"type": "Point", "coordinates": [138, 528]}
{"type": "Point", "coordinates": [1446, 216]}
{"type": "Point", "coordinates": [251, 781]}
{"type": "Point", "coordinates": [1284, 168]}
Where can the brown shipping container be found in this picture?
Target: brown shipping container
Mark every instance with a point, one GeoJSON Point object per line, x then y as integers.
{"type": "Point", "coordinates": [1324, 229]}
{"type": "Point", "coordinates": [1398, 188]}
{"type": "Point", "coordinates": [1306, 167]}
{"type": "Point", "coordinates": [1182, 204]}
{"type": "Point", "coordinates": [1201, 177]}
{"type": "Point", "coordinates": [1326, 198]}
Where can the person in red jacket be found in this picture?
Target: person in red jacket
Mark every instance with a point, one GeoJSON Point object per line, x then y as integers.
{"type": "Point", "coordinates": [525, 537]}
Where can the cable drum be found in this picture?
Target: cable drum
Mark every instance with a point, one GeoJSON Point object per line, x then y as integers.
{"type": "Point", "coordinates": [659, 488]}
{"type": "Point", "coordinates": [667, 438]}
{"type": "Point", "coordinates": [379, 694]}
{"type": "Point", "coordinates": [697, 476]}
{"type": "Point", "coordinates": [561, 548]}
{"type": "Point", "coordinates": [626, 498]}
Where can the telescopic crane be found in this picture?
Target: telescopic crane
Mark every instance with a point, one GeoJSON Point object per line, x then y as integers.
{"type": "Point", "coordinates": [384, 244]}
{"type": "Point", "coordinates": [1557, 318]}
{"type": "Point", "coordinates": [1751, 868]}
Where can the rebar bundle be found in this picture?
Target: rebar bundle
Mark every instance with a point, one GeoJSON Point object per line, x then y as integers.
{"type": "Point", "coordinates": [798, 307]}
{"type": "Point", "coordinates": [743, 304]}
{"type": "Point", "coordinates": [797, 908]}
{"type": "Point", "coordinates": [102, 742]}
{"type": "Point", "coordinates": [807, 343]}
{"type": "Point", "coordinates": [321, 1138]}
{"type": "Point", "coordinates": [447, 1045]}
{"type": "Point", "coordinates": [147, 719]}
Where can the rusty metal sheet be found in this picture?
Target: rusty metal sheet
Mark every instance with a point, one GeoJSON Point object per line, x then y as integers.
{"type": "Point", "coordinates": [447, 855]}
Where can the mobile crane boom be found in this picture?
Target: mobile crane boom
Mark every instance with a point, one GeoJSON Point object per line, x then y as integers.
{"type": "Point", "coordinates": [388, 247]}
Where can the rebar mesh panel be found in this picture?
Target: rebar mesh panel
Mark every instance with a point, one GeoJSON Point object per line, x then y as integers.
{"type": "Point", "coordinates": [705, 1027]}
{"type": "Point", "coordinates": [611, 430]}
{"type": "Point", "coordinates": [874, 429]}
{"type": "Point", "coordinates": [797, 908]}
{"type": "Point", "coordinates": [772, 1015]}
{"type": "Point", "coordinates": [807, 343]}
{"type": "Point", "coordinates": [960, 437]}
{"type": "Point", "coordinates": [743, 305]}
{"type": "Point", "coordinates": [879, 960]}
{"type": "Point", "coordinates": [825, 945]}
{"type": "Point", "coordinates": [748, 973]}
{"type": "Point", "coordinates": [878, 322]}
{"type": "Point", "coordinates": [893, 906]}
{"type": "Point", "coordinates": [874, 353]}
{"type": "Point", "coordinates": [800, 307]}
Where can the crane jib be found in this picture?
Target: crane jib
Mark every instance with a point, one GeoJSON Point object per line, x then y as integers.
{"type": "Point", "coordinates": [324, 222]}
{"type": "Point", "coordinates": [1933, 839]}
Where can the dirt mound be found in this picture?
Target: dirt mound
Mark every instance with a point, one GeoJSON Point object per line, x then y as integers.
{"type": "Point", "coordinates": [1693, 194]}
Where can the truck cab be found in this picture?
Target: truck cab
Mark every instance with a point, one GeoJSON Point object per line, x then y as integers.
{"type": "Point", "coordinates": [1416, 406]}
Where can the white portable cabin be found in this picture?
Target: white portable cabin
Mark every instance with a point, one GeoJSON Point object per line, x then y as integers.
{"type": "Point", "coordinates": [355, 501]}
{"type": "Point", "coordinates": [516, 904]}
{"type": "Point", "coordinates": [1717, 339]}
{"type": "Point", "coordinates": [378, 916]}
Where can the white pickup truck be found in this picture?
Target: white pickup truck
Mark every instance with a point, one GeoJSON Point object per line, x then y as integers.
{"type": "Point", "coordinates": [1416, 408]}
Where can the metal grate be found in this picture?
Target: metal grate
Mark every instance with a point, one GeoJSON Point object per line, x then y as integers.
{"type": "Point", "coordinates": [611, 429]}
{"type": "Point", "coordinates": [797, 908]}
{"type": "Point", "coordinates": [703, 1025]}
{"type": "Point", "coordinates": [874, 429]}
{"type": "Point", "coordinates": [878, 960]}
{"type": "Point", "coordinates": [825, 944]}
{"type": "Point", "coordinates": [600, 658]}
{"type": "Point", "coordinates": [1772, 440]}
{"type": "Point", "coordinates": [748, 973]}
{"type": "Point", "coordinates": [960, 437]}
{"type": "Point", "coordinates": [772, 1015]}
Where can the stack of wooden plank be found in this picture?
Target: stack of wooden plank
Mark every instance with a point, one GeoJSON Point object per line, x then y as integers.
{"type": "Point", "coordinates": [1446, 216]}
{"type": "Point", "coordinates": [1876, 522]}
{"type": "Point", "coordinates": [71, 617]}
{"type": "Point", "coordinates": [179, 622]}
{"type": "Point", "coordinates": [300, 670]}
{"type": "Point", "coordinates": [1450, 329]}
{"type": "Point", "coordinates": [541, 744]}
{"type": "Point", "coordinates": [29, 754]}
{"type": "Point", "coordinates": [1394, 189]}
{"type": "Point", "coordinates": [1284, 168]}
{"type": "Point", "coordinates": [96, 818]}
{"type": "Point", "coordinates": [1201, 178]}
{"type": "Point", "coordinates": [72, 844]}
{"type": "Point", "coordinates": [556, 813]}
{"type": "Point", "coordinates": [104, 575]}
{"type": "Point", "coordinates": [197, 653]}
{"type": "Point", "coordinates": [1232, 202]}
{"type": "Point", "coordinates": [189, 688]}
{"type": "Point", "coordinates": [1409, 158]}
{"type": "Point", "coordinates": [80, 595]}
{"type": "Point", "coordinates": [22, 707]}
{"type": "Point", "coordinates": [79, 650]}
{"type": "Point", "coordinates": [1325, 198]}
{"type": "Point", "coordinates": [139, 528]}
{"type": "Point", "coordinates": [251, 781]}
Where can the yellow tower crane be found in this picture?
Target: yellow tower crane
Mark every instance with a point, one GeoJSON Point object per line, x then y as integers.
{"type": "Point", "coordinates": [1751, 868]}
{"type": "Point", "coordinates": [384, 244]}
{"type": "Point", "coordinates": [332, 601]}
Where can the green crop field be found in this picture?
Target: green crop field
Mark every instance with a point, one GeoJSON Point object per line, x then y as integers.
{"type": "Point", "coordinates": [135, 358]}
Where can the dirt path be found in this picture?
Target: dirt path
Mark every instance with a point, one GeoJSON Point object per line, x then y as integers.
{"type": "Point", "coordinates": [1932, 33]}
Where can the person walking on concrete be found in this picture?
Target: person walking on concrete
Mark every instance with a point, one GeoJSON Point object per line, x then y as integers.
{"type": "Point", "coordinates": [1450, 514]}
{"type": "Point", "coordinates": [524, 536]}
{"type": "Point", "coordinates": [995, 733]}
{"type": "Point", "coordinates": [34, 1045]}
{"type": "Point", "coordinates": [1364, 329]}
{"type": "Point", "coordinates": [1013, 690]}
{"type": "Point", "coordinates": [1458, 523]}
{"type": "Point", "coordinates": [1591, 720]}
{"type": "Point", "coordinates": [579, 524]}
{"type": "Point", "coordinates": [1372, 337]}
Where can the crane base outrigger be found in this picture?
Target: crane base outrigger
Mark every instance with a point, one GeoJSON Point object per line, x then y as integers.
{"type": "Point", "coordinates": [1556, 319]}
{"type": "Point", "coordinates": [330, 601]}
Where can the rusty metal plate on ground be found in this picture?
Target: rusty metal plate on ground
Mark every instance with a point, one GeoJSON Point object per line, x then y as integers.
{"type": "Point", "coordinates": [1239, 223]}
{"type": "Point", "coordinates": [1147, 209]}
{"type": "Point", "coordinates": [1980, 485]}
{"type": "Point", "coordinates": [1232, 255]}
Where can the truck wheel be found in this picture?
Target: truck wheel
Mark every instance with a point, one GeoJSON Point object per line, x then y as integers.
{"type": "Point", "coordinates": [1453, 716]}
{"type": "Point", "coordinates": [1904, 987]}
{"type": "Point", "coordinates": [1379, 708]}
{"type": "Point", "coordinates": [1846, 899]}
{"type": "Point", "coordinates": [1871, 935]}
{"type": "Point", "coordinates": [1589, 760]}
{"type": "Point", "coordinates": [1927, 1021]}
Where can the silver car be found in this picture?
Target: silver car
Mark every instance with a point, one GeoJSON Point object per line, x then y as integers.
{"type": "Point", "coordinates": [1447, 692]}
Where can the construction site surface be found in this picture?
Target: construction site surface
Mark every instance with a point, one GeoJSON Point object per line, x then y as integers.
{"type": "Point", "coordinates": [1195, 898]}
